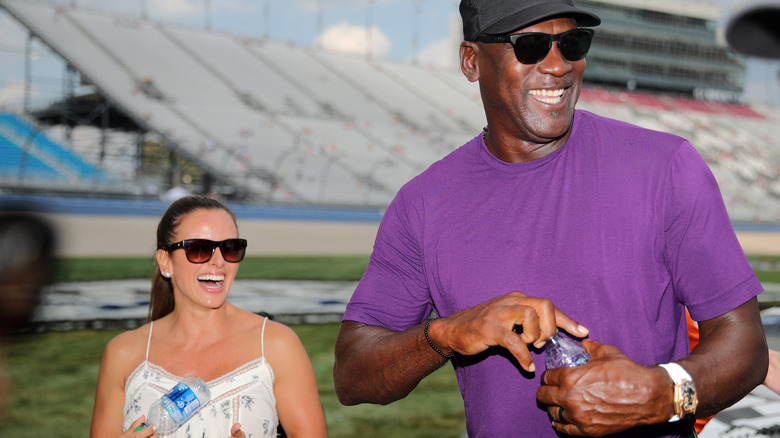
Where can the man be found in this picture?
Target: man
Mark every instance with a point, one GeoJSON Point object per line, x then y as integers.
{"type": "Point", "coordinates": [555, 218]}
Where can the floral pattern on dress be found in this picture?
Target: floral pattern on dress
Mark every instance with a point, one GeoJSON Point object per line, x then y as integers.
{"type": "Point", "coordinates": [244, 395]}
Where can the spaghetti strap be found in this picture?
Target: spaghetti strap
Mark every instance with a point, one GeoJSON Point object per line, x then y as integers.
{"type": "Point", "coordinates": [149, 341]}
{"type": "Point", "coordinates": [262, 338]}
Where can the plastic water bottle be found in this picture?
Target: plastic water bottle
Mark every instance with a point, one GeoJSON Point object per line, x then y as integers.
{"type": "Point", "coordinates": [561, 351]}
{"type": "Point", "coordinates": [178, 405]}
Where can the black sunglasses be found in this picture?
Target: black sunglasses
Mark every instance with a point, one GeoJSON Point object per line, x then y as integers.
{"type": "Point", "coordinates": [532, 47]}
{"type": "Point", "coordinates": [202, 250]}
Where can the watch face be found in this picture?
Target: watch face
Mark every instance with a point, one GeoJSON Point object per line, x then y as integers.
{"type": "Point", "coordinates": [689, 396]}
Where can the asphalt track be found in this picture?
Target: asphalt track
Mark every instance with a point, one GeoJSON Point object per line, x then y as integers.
{"type": "Point", "coordinates": [89, 235]}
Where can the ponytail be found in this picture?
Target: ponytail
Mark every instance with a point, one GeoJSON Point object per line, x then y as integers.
{"type": "Point", "coordinates": [161, 301]}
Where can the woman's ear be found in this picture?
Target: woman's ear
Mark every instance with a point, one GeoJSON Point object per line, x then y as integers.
{"type": "Point", "coordinates": [468, 60]}
{"type": "Point", "coordinates": [164, 263]}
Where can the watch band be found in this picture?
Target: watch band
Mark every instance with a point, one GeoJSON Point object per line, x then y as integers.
{"type": "Point", "coordinates": [685, 399]}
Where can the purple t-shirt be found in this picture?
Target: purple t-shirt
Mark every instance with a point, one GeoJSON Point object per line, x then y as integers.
{"type": "Point", "coordinates": [619, 227]}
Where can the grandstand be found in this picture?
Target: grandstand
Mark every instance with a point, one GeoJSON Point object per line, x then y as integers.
{"type": "Point", "coordinates": [28, 154]}
{"type": "Point", "coordinates": [261, 121]}
{"type": "Point", "coordinates": [667, 46]}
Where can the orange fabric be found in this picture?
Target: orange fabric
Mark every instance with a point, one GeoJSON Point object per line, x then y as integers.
{"type": "Point", "coordinates": [693, 339]}
{"type": "Point", "coordinates": [693, 330]}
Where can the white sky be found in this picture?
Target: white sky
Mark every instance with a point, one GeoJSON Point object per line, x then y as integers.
{"type": "Point", "coordinates": [401, 29]}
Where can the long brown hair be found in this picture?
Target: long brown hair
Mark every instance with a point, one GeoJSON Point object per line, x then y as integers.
{"type": "Point", "coordinates": [161, 301]}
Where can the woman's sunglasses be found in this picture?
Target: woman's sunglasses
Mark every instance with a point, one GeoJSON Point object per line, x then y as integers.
{"type": "Point", "coordinates": [201, 250]}
{"type": "Point", "coordinates": [532, 47]}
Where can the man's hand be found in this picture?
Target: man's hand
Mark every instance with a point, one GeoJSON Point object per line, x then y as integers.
{"type": "Point", "coordinates": [609, 394]}
{"type": "Point", "coordinates": [512, 321]}
{"type": "Point", "coordinates": [378, 365]}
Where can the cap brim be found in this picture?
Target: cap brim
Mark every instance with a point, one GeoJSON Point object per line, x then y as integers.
{"type": "Point", "coordinates": [525, 18]}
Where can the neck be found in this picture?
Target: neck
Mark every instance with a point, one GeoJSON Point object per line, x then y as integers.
{"type": "Point", "coordinates": [513, 150]}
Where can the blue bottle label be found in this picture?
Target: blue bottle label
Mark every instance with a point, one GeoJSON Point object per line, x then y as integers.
{"type": "Point", "coordinates": [184, 399]}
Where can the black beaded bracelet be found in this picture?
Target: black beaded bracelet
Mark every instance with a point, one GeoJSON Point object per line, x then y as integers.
{"type": "Point", "coordinates": [425, 331]}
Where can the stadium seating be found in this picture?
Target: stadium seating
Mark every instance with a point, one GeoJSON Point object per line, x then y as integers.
{"type": "Point", "coordinates": [43, 145]}
{"type": "Point", "coordinates": [19, 165]}
{"type": "Point", "coordinates": [29, 154]}
{"type": "Point", "coordinates": [299, 125]}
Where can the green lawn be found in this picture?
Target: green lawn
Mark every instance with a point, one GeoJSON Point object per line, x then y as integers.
{"type": "Point", "coordinates": [52, 376]}
{"type": "Point", "coordinates": [334, 268]}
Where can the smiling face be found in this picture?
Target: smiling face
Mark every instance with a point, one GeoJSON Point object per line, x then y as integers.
{"type": "Point", "coordinates": [529, 107]}
{"type": "Point", "coordinates": [201, 284]}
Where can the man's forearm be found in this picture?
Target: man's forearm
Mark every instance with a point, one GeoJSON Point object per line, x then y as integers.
{"type": "Point", "coordinates": [378, 365]}
{"type": "Point", "coordinates": [730, 360]}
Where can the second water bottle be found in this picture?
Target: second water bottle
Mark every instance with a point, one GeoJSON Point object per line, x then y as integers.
{"type": "Point", "coordinates": [561, 351]}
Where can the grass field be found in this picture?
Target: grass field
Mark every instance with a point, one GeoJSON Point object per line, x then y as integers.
{"type": "Point", "coordinates": [51, 376]}
{"type": "Point", "coordinates": [336, 268]}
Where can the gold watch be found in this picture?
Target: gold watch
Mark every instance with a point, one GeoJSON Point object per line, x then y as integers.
{"type": "Point", "coordinates": [685, 400]}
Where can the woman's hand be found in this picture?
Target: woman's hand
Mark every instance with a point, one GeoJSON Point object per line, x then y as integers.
{"type": "Point", "coordinates": [146, 432]}
{"type": "Point", "coordinates": [236, 432]}
{"type": "Point", "coordinates": [772, 380]}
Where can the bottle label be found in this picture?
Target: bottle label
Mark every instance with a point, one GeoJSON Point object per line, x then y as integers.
{"type": "Point", "coordinates": [184, 399]}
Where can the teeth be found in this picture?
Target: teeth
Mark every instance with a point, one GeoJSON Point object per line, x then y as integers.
{"type": "Point", "coordinates": [211, 277]}
{"type": "Point", "coordinates": [548, 93]}
{"type": "Point", "coordinates": [548, 96]}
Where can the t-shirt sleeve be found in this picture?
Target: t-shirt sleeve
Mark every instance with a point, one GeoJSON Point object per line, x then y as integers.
{"type": "Point", "coordinates": [710, 272]}
{"type": "Point", "coordinates": [393, 292]}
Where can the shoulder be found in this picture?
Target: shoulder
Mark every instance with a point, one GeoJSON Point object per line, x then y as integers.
{"type": "Point", "coordinates": [589, 126]}
{"type": "Point", "coordinates": [279, 336]}
{"type": "Point", "coordinates": [247, 325]}
{"type": "Point", "coordinates": [285, 353]}
{"type": "Point", "coordinates": [281, 344]}
{"type": "Point", "coordinates": [625, 143]}
{"type": "Point", "coordinates": [454, 169]}
{"type": "Point", "coordinates": [124, 353]}
{"type": "Point", "coordinates": [129, 344]}
{"type": "Point", "coordinates": [462, 157]}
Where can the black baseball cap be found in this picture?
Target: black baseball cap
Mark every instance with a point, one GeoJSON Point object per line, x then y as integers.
{"type": "Point", "coordinates": [500, 17]}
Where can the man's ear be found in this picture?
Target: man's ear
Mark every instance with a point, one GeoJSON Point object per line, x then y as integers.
{"type": "Point", "coordinates": [468, 60]}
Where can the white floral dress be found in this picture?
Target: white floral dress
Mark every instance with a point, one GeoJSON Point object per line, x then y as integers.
{"type": "Point", "coordinates": [244, 395]}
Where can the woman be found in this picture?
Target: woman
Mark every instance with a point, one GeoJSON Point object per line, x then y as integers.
{"type": "Point", "coordinates": [257, 371]}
